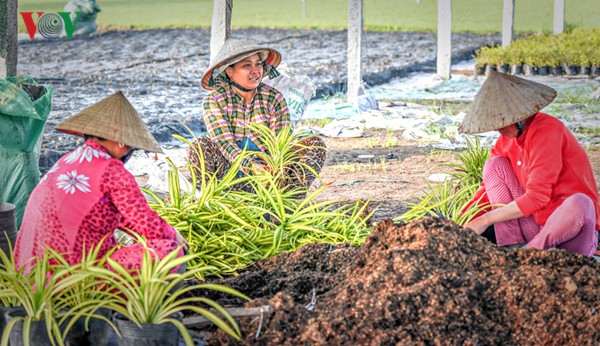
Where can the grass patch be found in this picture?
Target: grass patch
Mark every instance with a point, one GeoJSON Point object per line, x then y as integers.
{"type": "Point", "coordinates": [450, 107]}
{"type": "Point", "coordinates": [480, 16]}
{"type": "Point", "coordinates": [315, 122]}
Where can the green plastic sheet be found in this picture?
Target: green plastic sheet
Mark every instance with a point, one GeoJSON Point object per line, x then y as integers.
{"type": "Point", "coordinates": [24, 109]}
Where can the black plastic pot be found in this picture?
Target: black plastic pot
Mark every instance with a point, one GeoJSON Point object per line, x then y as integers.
{"type": "Point", "coordinates": [149, 334]}
{"type": "Point", "coordinates": [585, 70]}
{"type": "Point", "coordinates": [3, 311]}
{"type": "Point", "coordinates": [516, 69]}
{"type": "Point", "coordinates": [556, 70]}
{"type": "Point", "coordinates": [489, 68]}
{"type": "Point", "coordinates": [595, 71]}
{"type": "Point", "coordinates": [97, 333]}
{"type": "Point", "coordinates": [571, 70]}
{"type": "Point", "coordinates": [529, 70]}
{"type": "Point", "coordinates": [38, 334]}
{"type": "Point", "coordinates": [8, 226]}
{"type": "Point", "coordinates": [503, 68]}
{"type": "Point", "coordinates": [543, 70]}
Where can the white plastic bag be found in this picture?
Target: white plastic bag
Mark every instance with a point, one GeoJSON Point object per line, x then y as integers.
{"type": "Point", "coordinates": [297, 91]}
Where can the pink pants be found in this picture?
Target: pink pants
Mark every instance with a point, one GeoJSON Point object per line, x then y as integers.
{"type": "Point", "coordinates": [570, 227]}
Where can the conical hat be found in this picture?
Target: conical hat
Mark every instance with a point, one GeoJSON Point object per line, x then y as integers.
{"type": "Point", "coordinates": [504, 100]}
{"type": "Point", "coordinates": [115, 119]}
{"type": "Point", "coordinates": [232, 51]}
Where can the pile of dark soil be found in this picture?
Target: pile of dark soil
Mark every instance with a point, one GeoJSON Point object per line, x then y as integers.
{"type": "Point", "coordinates": [428, 282]}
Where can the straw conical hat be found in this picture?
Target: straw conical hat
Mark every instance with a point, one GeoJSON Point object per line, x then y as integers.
{"type": "Point", "coordinates": [232, 51]}
{"type": "Point", "coordinates": [504, 100]}
{"type": "Point", "coordinates": [115, 119]}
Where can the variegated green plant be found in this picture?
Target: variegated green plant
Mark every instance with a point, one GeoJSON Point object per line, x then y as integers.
{"type": "Point", "coordinates": [156, 291]}
{"type": "Point", "coordinates": [228, 229]}
{"type": "Point", "coordinates": [450, 197]}
{"type": "Point", "coordinates": [41, 289]}
{"type": "Point", "coordinates": [85, 298]}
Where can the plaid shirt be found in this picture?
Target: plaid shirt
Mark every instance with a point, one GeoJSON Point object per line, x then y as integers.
{"type": "Point", "coordinates": [227, 116]}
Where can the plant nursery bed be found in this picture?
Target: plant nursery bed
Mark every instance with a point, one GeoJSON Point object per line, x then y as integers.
{"type": "Point", "coordinates": [427, 282]}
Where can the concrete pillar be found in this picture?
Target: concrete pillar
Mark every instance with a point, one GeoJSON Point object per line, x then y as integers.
{"type": "Point", "coordinates": [559, 16]}
{"type": "Point", "coordinates": [8, 38]}
{"type": "Point", "coordinates": [355, 26]}
{"type": "Point", "coordinates": [508, 19]}
{"type": "Point", "coordinates": [221, 25]}
{"type": "Point", "coordinates": [444, 38]}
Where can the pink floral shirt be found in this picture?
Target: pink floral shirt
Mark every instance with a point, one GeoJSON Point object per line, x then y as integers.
{"type": "Point", "coordinates": [84, 197]}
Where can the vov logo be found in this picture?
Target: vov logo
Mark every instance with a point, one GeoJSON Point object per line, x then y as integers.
{"type": "Point", "coordinates": [50, 25]}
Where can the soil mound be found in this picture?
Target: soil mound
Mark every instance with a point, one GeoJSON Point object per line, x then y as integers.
{"type": "Point", "coordinates": [429, 282]}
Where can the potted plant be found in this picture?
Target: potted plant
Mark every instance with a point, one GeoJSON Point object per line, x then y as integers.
{"type": "Point", "coordinates": [148, 303]}
{"type": "Point", "coordinates": [92, 325]}
{"type": "Point", "coordinates": [555, 62]}
{"type": "Point", "coordinates": [584, 60]}
{"type": "Point", "coordinates": [515, 59]}
{"type": "Point", "coordinates": [595, 64]}
{"type": "Point", "coordinates": [500, 59]}
{"type": "Point", "coordinates": [530, 59]}
{"type": "Point", "coordinates": [545, 61]}
{"type": "Point", "coordinates": [40, 290]}
{"type": "Point", "coordinates": [482, 59]}
{"type": "Point", "coordinates": [7, 303]}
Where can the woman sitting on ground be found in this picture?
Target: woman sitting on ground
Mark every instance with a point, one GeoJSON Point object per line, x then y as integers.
{"type": "Point", "coordinates": [88, 193]}
{"type": "Point", "coordinates": [237, 99]}
{"type": "Point", "coordinates": [538, 178]}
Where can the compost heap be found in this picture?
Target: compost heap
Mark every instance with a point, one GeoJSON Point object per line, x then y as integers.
{"type": "Point", "coordinates": [430, 283]}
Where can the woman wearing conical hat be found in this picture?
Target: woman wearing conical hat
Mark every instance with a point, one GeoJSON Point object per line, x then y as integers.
{"type": "Point", "coordinates": [538, 177]}
{"type": "Point", "coordinates": [237, 99]}
{"type": "Point", "coordinates": [88, 193]}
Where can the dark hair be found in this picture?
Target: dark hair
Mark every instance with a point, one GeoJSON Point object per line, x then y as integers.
{"type": "Point", "coordinates": [86, 137]}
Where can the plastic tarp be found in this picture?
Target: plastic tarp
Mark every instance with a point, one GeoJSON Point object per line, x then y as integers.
{"type": "Point", "coordinates": [24, 109]}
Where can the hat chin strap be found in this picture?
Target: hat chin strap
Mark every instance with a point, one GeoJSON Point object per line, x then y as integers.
{"type": "Point", "coordinates": [519, 125]}
{"type": "Point", "coordinates": [240, 87]}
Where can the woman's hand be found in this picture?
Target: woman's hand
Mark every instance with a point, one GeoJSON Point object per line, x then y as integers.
{"type": "Point", "coordinates": [478, 225]}
{"type": "Point", "coordinates": [510, 211]}
{"type": "Point", "coordinates": [260, 168]}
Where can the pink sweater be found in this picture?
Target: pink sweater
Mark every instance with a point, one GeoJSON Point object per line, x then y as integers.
{"type": "Point", "coordinates": [550, 165]}
{"type": "Point", "coordinates": [84, 197]}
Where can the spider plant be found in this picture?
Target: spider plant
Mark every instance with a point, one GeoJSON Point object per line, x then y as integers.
{"type": "Point", "coordinates": [450, 197]}
{"type": "Point", "coordinates": [467, 167]}
{"type": "Point", "coordinates": [283, 153]}
{"type": "Point", "coordinates": [229, 229]}
{"type": "Point", "coordinates": [41, 295]}
{"type": "Point", "coordinates": [7, 266]}
{"type": "Point", "coordinates": [85, 299]}
{"type": "Point", "coordinates": [156, 292]}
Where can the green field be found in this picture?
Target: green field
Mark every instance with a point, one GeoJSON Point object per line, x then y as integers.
{"type": "Point", "coordinates": [481, 16]}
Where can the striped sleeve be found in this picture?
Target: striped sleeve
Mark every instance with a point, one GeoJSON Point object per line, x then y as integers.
{"type": "Point", "coordinates": [218, 127]}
